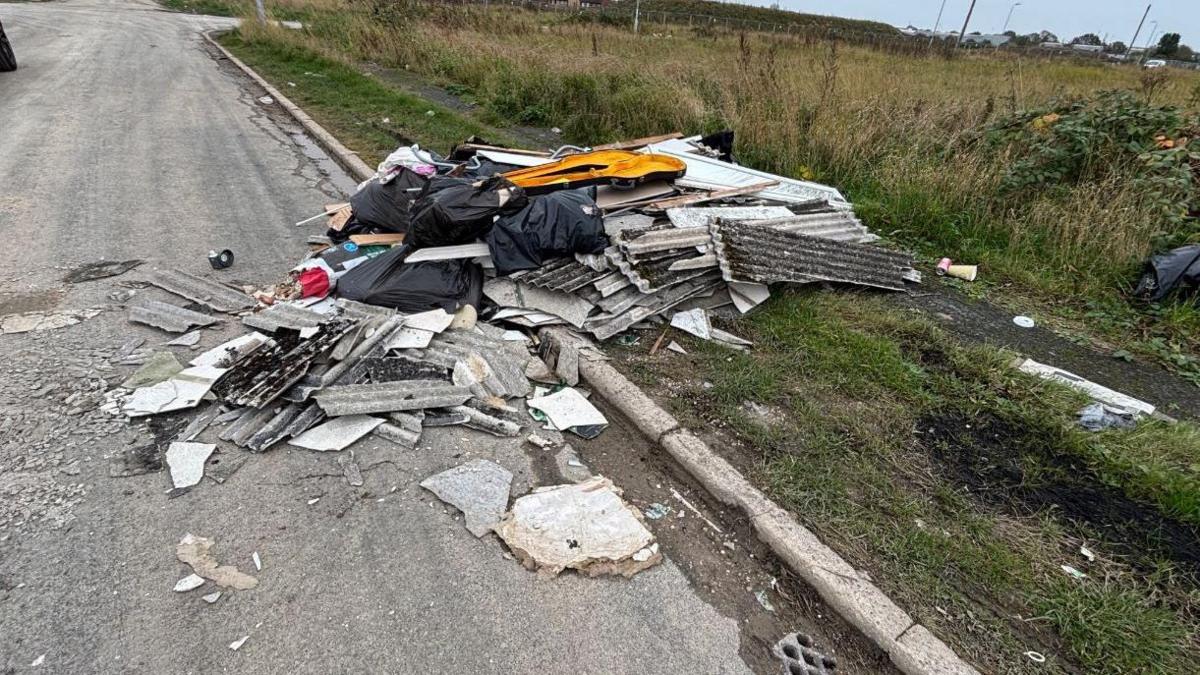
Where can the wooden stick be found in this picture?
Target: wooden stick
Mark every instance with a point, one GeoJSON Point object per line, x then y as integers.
{"type": "Point", "coordinates": [685, 200]}
{"type": "Point", "coordinates": [658, 342]}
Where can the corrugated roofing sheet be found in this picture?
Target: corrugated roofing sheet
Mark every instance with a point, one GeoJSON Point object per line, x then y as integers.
{"type": "Point", "coordinates": [354, 399]}
{"type": "Point", "coordinates": [204, 291]}
{"type": "Point", "coordinates": [284, 315]}
{"type": "Point", "coordinates": [753, 252]}
{"type": "Point", "coordinates": [169, 317]}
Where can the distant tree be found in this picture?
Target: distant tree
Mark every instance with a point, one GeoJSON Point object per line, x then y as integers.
{"type": "Point", "coordinates": [1011, 33]}
{"type": "Point", "coordinates": [1117, 47]}
{"type": "Point", "coordinates": [1185, 53]}
{"type": "Point", "coordinates": [1168, 44]}
{"type": "Point", "coordinates": [1088, 39]}
{"type": "Point", "coordinates": [1046, 36]}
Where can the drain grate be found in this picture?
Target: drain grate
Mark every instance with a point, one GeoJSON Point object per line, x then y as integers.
{"type": "Point", "coordinates": [801, 658]}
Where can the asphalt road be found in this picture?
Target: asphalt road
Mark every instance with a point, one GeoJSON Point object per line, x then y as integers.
{"type": "Point", "coordinates": [122, 137]}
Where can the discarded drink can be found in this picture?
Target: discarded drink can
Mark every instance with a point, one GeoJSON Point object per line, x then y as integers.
{"type": "Point", "coordinates": [220, 261]}
{"type": "Point", "coordinates": [943, 266]}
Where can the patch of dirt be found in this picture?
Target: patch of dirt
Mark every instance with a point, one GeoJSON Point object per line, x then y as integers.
{"type": "Point", "coordinates": [533, 137]}
{"type": "Point", "coordinates": [982, 322]}
{"type": "Point", "coordinates": [984, 455]}
{"type": "Point", "coordinates": [34, 301]}
{"type": "Point", "coordinates": [725, 569]}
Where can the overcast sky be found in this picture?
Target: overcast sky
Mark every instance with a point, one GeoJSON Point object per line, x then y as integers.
{"type": "Point", "coordinates": [1065, 18]}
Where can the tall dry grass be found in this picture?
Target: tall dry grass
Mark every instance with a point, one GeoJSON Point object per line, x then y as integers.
{"type": "Point", "coordinates": [887, 129]}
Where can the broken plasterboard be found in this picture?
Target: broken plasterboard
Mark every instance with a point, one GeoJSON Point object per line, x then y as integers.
{"type": "Point", "coordinates": [1098, 392]}
{"type": "Point", "coordinates": [508, 293]}
{"type": "Point", "coordinates": [186, 462]}
{"type": "Point", "coordinates": [479, 489]}
{"type": "Point", "coordinates": [336, 434]}
{"type": "Point", "coordinates": [567, 408]}
{"type": "Point", "coordinates": [584, 526]}
{"type": "Point", "coordinates": [196, 552]}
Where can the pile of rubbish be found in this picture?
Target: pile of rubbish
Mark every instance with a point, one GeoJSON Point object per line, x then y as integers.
{"type": "Point", "coordinates": [462, 290]}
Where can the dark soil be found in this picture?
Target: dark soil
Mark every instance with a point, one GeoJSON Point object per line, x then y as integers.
{"type": "Point", "coordinates": [982, 322]}
{"type": "Point", "coordinates": [992, 459]}
{"type": "Point", "coordinates": [720, 575]}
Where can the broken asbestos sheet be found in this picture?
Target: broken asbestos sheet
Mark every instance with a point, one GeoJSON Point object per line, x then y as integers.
{"type": "Point", "coordinates": [567, 408]}
{"type": "Point", "coordinates": [194, 551]}
{"type": "Point", "coordinates": [184, 390]}
{"type": "Point", "coordinates": [479, 489]}
{"type": "Point", "coordinates": [585, 526]}
{"type": "Point", "coordinates": [186, 462]}
{"type": "Point", "coordinates": [336, 434]}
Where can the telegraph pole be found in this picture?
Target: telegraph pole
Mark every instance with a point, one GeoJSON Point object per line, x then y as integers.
{"type": "Point", "coordinates": [966, 21]}
{"type": "Point", "coordinates": [262, 12]}
{"type": "Point", "coordinates": [1129, 49]}
{"type": "Point", "coordinates": [637, 10]}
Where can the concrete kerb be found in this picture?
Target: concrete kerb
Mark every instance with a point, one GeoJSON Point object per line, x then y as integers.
{"type": "Point", "coordinates": [345, 158]}
{"type": "Point", "coordinates": [910, 646]}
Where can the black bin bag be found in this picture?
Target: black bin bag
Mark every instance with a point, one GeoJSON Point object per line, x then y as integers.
{"type": "Point", "coordinates": [1175, 270]}
{"type": "Point", "coordinates": [553, 225]}
{"type": "Point", "coordinates": [388, 281]}
{"type": "Point", "coordinates": [387, 207]}
{"type": "Point", "coordinates": [455, 211]}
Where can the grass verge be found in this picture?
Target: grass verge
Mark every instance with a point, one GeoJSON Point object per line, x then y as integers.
{"type": "Point", "coordinates": [961, 484]}
{"type": "Point", "coordinates": [368, 116]}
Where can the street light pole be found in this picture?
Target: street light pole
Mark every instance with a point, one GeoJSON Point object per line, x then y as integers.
{"type": "Point", "coordinates": [1010, 13]}
{"type": "Point", "coordinates": [262, 12]}
{"type": "Point", "coordinates": [937, 24]}
{"type": "Point", "coordinates": [637, 11]}
{"type": "Point", "coordinates": [966, 21]}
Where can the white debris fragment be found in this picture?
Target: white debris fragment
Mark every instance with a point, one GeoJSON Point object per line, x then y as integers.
{"type": "Point", "coordinates": [190, 582]}
{"type": "Point", "coordinates": [479, 489]}
{"type": "Point", "coordinates": [228, 353]}
{"type": "Point", "coordinates": [257, 561]}
{"type": "Point", "coordinates": [314, 500]}
{"type": "Point", "coordinates": [747, 295]}
{"type": "Point", "coordinates": [408, 337]}
{"type": "Point", "coordinates": [38, 661]}
{"type": "Point", "coordinates": [186, 462]}
{"type": "Point", "coordinates": [539, 441]}
{"type": "Point", "coordinates": [435, 321]}
{"type": "Point", "coordinates": [1087, 553]}
{"type": "Point", "coordinates": [1071, 571]}
{"type": "Point", "coordinates": [336, 434]}
{"type": "Point", "coordinates": [568, 408]}
{"type": "Point", "coordinates": [584, 526]}
{"type": "Point", "coordinates": [184, 390]}
{"type": "Point", "coordinates": [676, 347]}
{"type": "Point", "coordinates": [1098, 392]}
{"type": "Point", "coordinates": [693, 321]}
{"type": "Point", "coordinates": [237, 644]}
{"type": "Point", "coordinates": [211, 597]}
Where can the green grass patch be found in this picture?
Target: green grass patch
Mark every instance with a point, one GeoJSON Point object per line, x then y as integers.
{"type": "Point", "coordinates": [369, 117]}
{"type": "Point", "coordinates": [964, 484]}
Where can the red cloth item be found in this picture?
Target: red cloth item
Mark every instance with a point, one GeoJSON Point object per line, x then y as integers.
{"type": "Point", "coordinates": [314, 283]}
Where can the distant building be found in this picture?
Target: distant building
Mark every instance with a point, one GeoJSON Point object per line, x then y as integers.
{"type": "Point", "coordinates": [1090, 49]}
{"type": "Point", "coordinates": [986, 40]}
{"type": "Point", "coordinates": [1053, 45]}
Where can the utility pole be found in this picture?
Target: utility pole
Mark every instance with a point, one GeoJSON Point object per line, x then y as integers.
{"type": "Point", "coordinates": [1129, 49]}
{"type": "Point", "coordinates": [262, 12]}
{"type": "Point", "coordinates": [637, 11]}
{"type": "Point", "coordinates": [966, 21]}
{"type": "Point", "coordinates": [937, 24]}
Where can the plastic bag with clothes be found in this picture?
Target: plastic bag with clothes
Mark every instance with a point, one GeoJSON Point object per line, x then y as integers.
{"type": "Point", "coordinates": [557, 224]}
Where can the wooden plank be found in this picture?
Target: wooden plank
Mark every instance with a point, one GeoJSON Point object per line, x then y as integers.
{"type": "Point", "coordinates": [685, 200]}
{"type": "Point", "coordinates": [377, 239]}
{"type": "Point", "coordinates": [639, 142]}
{"type": "Point", "coordinates": [340, 214]}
